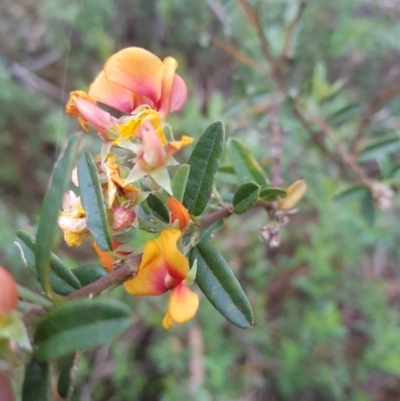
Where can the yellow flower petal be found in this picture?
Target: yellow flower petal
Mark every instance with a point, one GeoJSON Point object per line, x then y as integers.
{"type": "Point", "coordinates": [183, 303]}
{"type": "Point", "coordinates": [167, 321]}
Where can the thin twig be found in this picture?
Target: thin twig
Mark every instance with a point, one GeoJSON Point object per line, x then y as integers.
{"type": "Point", "coordinates": [346, 157]}
{"type": "Point", "coordinates": [216, 216]}
{"type": "Point", "coordinates": [290, 29]}
{"type": "Point", "coordinates": [116, 277]}
{"type": "Point", "coordinates": [238, 54]}
{"type": "Point", "coordinates": [377, 104]}
{"type": "Point", "coordinates": [36, 83]}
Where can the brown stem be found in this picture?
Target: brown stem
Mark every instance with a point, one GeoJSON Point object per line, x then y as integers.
{"type": "Point", "coordinates": [347, 158]}
{"type": "Point", "coordinates": [377, 104]}
{"type": "Point", "coordinates": [115, 277]}
{"type": "Point", "coordinates": [215, 216]}
{"type": "Point", "coordinates": [290, 31]}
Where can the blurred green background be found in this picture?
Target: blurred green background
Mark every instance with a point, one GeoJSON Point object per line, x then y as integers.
{"type": "Point", "coordinates": [327, 300]}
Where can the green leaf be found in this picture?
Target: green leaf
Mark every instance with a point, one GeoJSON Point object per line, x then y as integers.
{"type": "Point", "coordinates": [355, 192]}
{"type": "Point", "coordinates": [245, 197]}
{"type": "Point", "coordinates": [380, 148]}
{"type": "Point", "coordinates": [62, 280]}
{"type": "Point", "coordinates": [92, 201]}
{"type": "Point", "coordinates": [395, 170]}
{"type": "Point", "coordinates": [368, 208]}
{"type": "Point", "coordinates": [37, 384]}
{"type": "Point", "coordinates": [89, 273]}
{"type": "Point", "coordinates": [344, 115]}
{"type": "Point", "coordinates": [52, 203]}
{"type": "Point", "coordinates": [226, 170]}
{"type": "Point", "coordinates": [204, 162]}
{"type": "Point", "coordinates": [158, 208]}
{"type": "Point", "coordinates": [245, 165]}
{"type": "Point", "coordinates": [272, 194]}
{"type": "Point", "coordinates": [80, 325]}
{"type": "Point", "coordinates": [65, 380]}
{"type": "Point", "coordinates": [179, 181]}
{"type": "Point", "coordinates": [220, 286]}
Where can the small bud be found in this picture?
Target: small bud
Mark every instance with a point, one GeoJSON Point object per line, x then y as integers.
{"type": "Point", "coordinates": [382, 195]}
{"type": "Point", "coordinates": [8, 292]}
{"type": "Point", "coordinates": [294, 193]}
{"type": "Point", "coordinates": [270, 234]}
{"type": "Point", "coordinates": [178, 212]}
{"type": "Point", "coordinates": [123, 217]}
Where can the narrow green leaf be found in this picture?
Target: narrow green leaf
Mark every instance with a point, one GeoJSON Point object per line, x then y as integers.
{"type": "Point", "coordinates": [380, 148]}
{"type": "Point", "coordinates": [368, 208]}
{"type": "Point", "coordinates": [245, 165]}
{"type": "Point", "coordinates": [179, 181]}
{"type": "Point", "coordinates": [355, 192]}
{"type": "Point", "coordinates": [65, 380]}
{"type": "Point", "coordinates": [47, 228]}
{"type": "Point", "coordinates": [158, 208]}
{"type": "Point", "coordinates": [245, 197]}
{"type": "Point", "coordinates": [37, 384]}
{"type": "Point", "coordinates": [89, 273]}
{"type": "Point", "coordinates": [220, 286]}
{"type": "Point", "coordinates": [92, 201]}
{"type": "Point", "coordinates": [80, 325]}
{"type": "Point", "coordinates": [344, 115]}
{"type": "Point", "coordinates": [62, 280]}
{"type": "Point", "coordinates": [271, 194]}
{"type": "Point", "coordinates": [204, 163]}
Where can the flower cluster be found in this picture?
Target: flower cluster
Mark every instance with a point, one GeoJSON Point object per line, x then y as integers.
{"type": "Point", "coordinates": [145, 90]}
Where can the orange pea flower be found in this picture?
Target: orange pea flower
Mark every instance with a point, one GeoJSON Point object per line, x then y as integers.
{"type": "Point", "coordinates": [134, 77]}
{"type": "Point", "coordinates": [152, 158]}
{"type": "Point", "coordinates": [8, 292]}
{"type": "Point", "coordinates": [178, 213]}
{"type": "Point", "coordinates": [163, 268]}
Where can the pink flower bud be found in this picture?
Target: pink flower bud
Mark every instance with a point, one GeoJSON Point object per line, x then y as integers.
{"type": "Point", "coordinates": [123, 217]}
{"type": "Point", "coordinates": [8, 292]}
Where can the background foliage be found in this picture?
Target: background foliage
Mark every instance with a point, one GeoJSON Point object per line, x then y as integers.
{"type": "Point", "coordinates": [325, 301]}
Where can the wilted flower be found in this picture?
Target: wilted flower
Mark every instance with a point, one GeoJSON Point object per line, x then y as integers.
{"type": "Point", "coordinates": [123, 217]}
{"type": "Point", "coordinates": [72, 220]}
{"type": "Point", "coordinates": [294, 193]}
